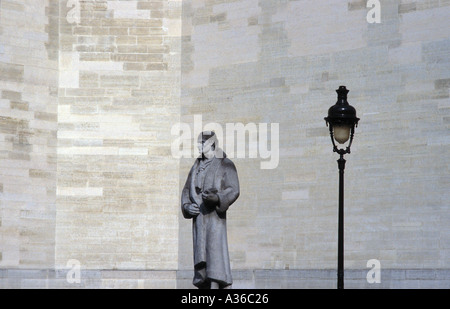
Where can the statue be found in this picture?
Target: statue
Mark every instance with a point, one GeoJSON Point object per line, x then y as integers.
{"type": "Point", "coordinates": [211, 187]}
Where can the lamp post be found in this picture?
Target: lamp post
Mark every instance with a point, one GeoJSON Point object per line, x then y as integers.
{"type": "Point", "coordinates": [341, 121]}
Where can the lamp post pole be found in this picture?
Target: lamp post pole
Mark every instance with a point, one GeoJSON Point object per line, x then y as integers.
{"type": "Point", "coordinates": [341, 165]}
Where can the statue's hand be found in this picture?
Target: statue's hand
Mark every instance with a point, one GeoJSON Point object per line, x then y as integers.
{"type": "Point", "coordinates": [210, 197]}
{"type": "Point", "coordinates": [192, 209]}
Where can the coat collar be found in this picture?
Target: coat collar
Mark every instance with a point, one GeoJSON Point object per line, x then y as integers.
{"type": "Point", "coordinates": [208, 182]}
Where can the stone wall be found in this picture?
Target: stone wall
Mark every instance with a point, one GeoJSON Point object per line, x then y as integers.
{"type": "Point", "coordinates": [28, 126]}
{"type": "Point", "coordinates": [280, 61]}
{"type": "Point", "coordinates": [118, 98]}
{"type": "Point", "coordinates": [91, 90]}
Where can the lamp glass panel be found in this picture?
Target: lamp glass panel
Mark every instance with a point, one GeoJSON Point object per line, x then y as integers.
{"type": "Point", "coordinates": [341, 133]}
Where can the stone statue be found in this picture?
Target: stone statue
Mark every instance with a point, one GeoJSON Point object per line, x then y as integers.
{"type": "Point", "coordinates": [211, 187]}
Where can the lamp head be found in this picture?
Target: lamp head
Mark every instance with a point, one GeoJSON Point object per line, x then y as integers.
{"type": "Point", "coordinates": [342, 119]}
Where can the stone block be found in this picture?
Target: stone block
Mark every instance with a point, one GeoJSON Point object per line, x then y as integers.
{"type": "Point", "coordinates": [11, 72]}
{"type": "Point", "coordinates": [119, 81]}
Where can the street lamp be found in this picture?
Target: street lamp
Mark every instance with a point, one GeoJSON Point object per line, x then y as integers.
{"type": "Point", "coordinates": [341, 121]}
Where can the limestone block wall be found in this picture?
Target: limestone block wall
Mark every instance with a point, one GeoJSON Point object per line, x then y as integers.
{"type": "Point", "coordinates": [118, 98]}
{"type": "Point", "coordinates": [28, 126]}
{"type": "Point", "coordinates": [91, 90]}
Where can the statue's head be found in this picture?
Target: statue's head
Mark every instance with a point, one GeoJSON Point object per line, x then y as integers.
{"type": "Point", "coordinates": [207, 143]}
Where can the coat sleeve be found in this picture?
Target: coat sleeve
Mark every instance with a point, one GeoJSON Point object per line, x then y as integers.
{"type": "Point", "coordinates": [230, 187]}
{"type": "Point", "coordinates": [185, 196]}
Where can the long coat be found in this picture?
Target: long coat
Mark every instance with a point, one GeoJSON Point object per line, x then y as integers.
{"type": "Point", "coordinates": [209, 226]}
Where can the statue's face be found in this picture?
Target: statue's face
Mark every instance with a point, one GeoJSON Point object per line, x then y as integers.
{"type": "Point", "coordinates": [205, 145]}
